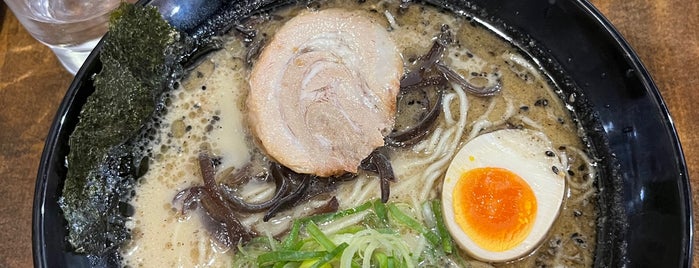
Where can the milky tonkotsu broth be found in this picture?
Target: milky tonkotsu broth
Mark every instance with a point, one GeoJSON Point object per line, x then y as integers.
{"type": "Point", "coordinates": [206, 112]}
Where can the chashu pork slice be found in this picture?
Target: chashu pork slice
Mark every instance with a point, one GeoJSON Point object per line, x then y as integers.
{"type": "Point", "coordinates": [323, 91]}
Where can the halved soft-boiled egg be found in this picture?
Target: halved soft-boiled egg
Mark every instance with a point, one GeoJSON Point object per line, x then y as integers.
{"type": "Point", "coordinates": [502, 192]}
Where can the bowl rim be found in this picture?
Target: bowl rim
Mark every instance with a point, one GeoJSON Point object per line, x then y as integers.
{"type": "Point", "coordinates": [649, 84]}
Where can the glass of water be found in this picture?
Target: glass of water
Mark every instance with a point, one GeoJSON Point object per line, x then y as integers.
{"type": "Point", "coordinates": [71, 28]}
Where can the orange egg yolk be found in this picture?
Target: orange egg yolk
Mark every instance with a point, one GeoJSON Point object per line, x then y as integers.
{"type": "Point", "coordinates": [494, 207]}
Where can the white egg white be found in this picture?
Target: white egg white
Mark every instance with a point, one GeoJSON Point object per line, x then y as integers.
{"type": "Point", "coordinates": [523, 152]}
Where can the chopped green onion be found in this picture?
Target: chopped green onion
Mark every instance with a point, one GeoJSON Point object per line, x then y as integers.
{"type": "Point", "coordinates": [310, 263]}
{"type": "Point", "coordinates": [291, 265]}
{"type": "Point", "coordinates": [380, 210]}
{"type": "Point", "coordinates": [413, 224]}
{"type": "Point", "coordinates": [323, 218]}
{"type": "Point", "coordinates": [391, 262]}
{"type": "Point", "coordinates": [319, 236]}
{"type": "Point", "coordinates": [376, 242]}
{"type": "Point", "coordinates": [351, 229]}
{"type": "Point", "coordinates": [286, 256]}
{"type": "Point", "coordinates": [273, 243]}
{"type": "Point", "coordinates": [293, 236]}
{"type": "Point", "coordinates": [330, 255]}
{"type": "Point", "coordinates": [368, 242]}
{"type": "Point", "coordinates": [447, 243]}
{"type": "Point", "coordinates": [381, 259]}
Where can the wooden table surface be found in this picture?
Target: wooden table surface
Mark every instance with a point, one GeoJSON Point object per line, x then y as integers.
{"type": "Point", "coordinates": [664, 33]}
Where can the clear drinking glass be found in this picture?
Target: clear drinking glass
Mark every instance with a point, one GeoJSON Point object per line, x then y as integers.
{"type": "Point", "coordinates": [71, 28]}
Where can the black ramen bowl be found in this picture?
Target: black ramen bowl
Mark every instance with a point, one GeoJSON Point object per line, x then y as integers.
{"type": "Point", "coordinates": [644, 197]}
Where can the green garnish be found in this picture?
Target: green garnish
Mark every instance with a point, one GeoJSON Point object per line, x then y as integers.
{"type": "Point", "coordinates": [330, 255]}
{"type": "Point", "coordinates": [323, 218]}
{"type": "Point", "coordinates": [447, 243]}
{"type": "Point", "coordinates": [380, 240]}
{"type": "Point", "coordinates": [401, 217]}
{"type": "Point", "coordinates": [287, 256]}
{"type": "Point", "coordinates": [319, 236]}
{"type": "Point", "coordinates": [102, 163]}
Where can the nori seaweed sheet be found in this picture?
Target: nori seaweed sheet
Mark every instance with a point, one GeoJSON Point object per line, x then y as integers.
{"type": "Point", "coordinates": [103, 161]}
{"type": "Point", "coordinates": [142, 57]}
